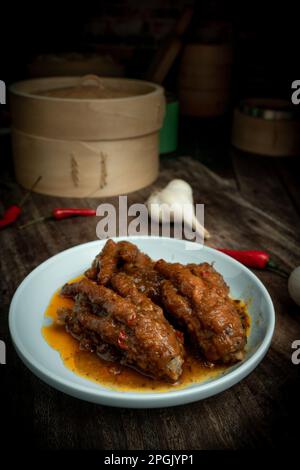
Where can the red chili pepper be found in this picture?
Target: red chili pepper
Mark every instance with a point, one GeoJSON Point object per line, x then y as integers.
{"type": "Point", "coordinates": [256, 259]}
{"type": "Point", "coordinates": [204, 273]}
{"type": "Point", "coordinates": [10, 216]}
{"type": "Point", "coordinates": [179, 335]}
{"type": "Point", "coordinates": [122, 340]}
{"type": "Point", "coordinates": [251, 258]}
{"type": "Point", "coordinates": [131, 319]}
{"type": "Point", "coordinates": [59, 213]}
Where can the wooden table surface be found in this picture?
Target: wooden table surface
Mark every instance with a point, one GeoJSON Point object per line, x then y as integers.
{"type": "Point", "coordinates": [250, 202]}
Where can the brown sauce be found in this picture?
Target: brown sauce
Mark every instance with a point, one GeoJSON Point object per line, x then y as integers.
{"type": "Point", "coordinates": [116, 376]}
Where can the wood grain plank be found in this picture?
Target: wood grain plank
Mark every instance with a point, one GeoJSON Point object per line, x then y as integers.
{"type": "Point", "coordinates": [290, 177]}
{"type": "Point", "coordinates": [254, 413]}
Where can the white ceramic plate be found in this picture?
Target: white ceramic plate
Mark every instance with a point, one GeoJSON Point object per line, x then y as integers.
{"type": "Point", "coordinates": [31, 299]}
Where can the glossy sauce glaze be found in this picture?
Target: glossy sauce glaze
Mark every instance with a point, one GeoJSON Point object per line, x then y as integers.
{"type": "Point", "coordinates": [116, 376]}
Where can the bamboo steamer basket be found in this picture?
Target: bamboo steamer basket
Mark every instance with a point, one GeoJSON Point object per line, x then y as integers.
{"type": "Point", "coordinates": [268, 127]}
{"type": "Point", "coordinates": [84, 147]}
{"type": "Point", "coordinates": [85, 169]}
{"type": "Point", "coordinates": [204, 79]}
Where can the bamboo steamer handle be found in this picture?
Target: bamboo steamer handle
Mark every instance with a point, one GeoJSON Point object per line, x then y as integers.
{"type": "Point", "coordinates": [91, 78]}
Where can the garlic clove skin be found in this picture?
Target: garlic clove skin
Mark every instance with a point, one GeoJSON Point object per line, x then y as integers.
{"type": "Point", "coordinates": [173, 202]}
{"type": "Point", "coordinates": [180, 186]}
{"type": "Point", "coordinates": [170, 197]}
{"type": "Point", "coordinates": [154, 206]}
{"type": "Point", "coordinates": [177, 191]}
{"type": "Point", "coordinates": [177, 196]}
{"type": "Point", "coordinates": [294, 285]}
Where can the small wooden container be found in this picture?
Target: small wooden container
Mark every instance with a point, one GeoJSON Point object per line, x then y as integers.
{"type": "Point", "coordinates": [269, 127]}
{"type": "Point", "coordinates": [86, 147]}
{"type": "Point", "coordinates": [204, 79]}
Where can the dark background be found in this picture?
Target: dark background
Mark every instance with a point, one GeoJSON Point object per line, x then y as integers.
{"type": "Point", "coordinates": [265, 35]}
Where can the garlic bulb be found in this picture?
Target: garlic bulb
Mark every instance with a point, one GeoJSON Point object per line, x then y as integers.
{"type": "Point", "coordinates": [294, 285]}
{"type": "Point", "coordinates": [177, 196]}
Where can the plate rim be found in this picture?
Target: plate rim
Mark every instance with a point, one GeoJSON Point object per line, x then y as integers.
{"type": "Point", "coordinates": [140, 399]}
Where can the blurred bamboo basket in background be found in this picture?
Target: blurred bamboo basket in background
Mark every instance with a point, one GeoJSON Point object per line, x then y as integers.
{"type": "Point", "coordinates": [265, 126]}
{"type": "Point", "coordinates": [204, 79]}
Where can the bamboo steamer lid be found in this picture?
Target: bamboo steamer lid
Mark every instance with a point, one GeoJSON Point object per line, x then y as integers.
{"type": "Point", "coordinates": [268, 127]}
{"type": "Point", "coordinates": [86, 138]}
{"type": "Point", "coordinates": [139, 113]}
